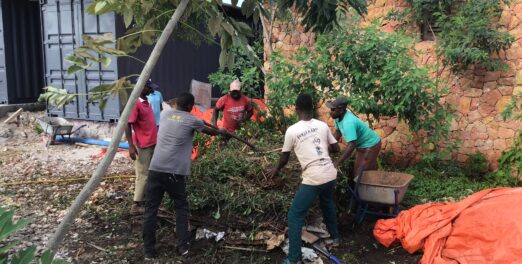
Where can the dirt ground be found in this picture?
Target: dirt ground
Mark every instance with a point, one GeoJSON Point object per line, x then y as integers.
{"type": "Point", "coordinates": [106, 233]}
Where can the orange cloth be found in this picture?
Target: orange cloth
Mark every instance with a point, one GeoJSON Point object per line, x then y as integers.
{"type": "Point", "coordinates": [486, 227]}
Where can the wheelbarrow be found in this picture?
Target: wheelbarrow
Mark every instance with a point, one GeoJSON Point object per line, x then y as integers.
{"type": "Point", "coordinates": [56, 126]}
{"type": "Point", "coordinates": [378, 191]}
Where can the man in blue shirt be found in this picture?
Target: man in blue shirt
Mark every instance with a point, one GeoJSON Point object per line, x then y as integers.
{"type": "Point", "coordinates": [357, 134]}
{"type": "Point", "coordinates": [155, 99]}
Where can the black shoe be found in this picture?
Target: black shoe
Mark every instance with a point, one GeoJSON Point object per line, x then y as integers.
{"type": "Point", "coordinates": [150, 255]}
{"type": "Point", "coordinates": [183, 250]}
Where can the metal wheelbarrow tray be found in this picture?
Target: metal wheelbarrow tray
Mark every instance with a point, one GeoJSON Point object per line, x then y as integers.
{"type": "Point", "coordinates": [379, 189]}
{"type": "Point", "coordinates": [54, 126]}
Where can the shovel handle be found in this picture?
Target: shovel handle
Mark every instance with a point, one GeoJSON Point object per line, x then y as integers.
{"type": "Point", "coordinates": [231, 135]}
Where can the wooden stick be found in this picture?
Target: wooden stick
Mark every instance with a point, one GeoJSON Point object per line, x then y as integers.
{"type": "Point", "coordinates": [13, 116]}
{"type": "Point", "coordinates": [232, 135]}
{"type": "Point", "coordinates": [246, 249]}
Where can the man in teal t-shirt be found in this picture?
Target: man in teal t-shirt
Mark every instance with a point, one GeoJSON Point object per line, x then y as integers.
{"type": "Point", "coordinates": [356, 133]}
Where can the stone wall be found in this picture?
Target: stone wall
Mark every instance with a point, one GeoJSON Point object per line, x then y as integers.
{"type": "Point", "coordinates": [478, 96]}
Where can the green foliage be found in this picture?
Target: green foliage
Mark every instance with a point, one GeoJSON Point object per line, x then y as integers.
{"type": "Point", "coordinates": [425, 9]}
{"type": "Point", "coordinates": [375, 68]}
{"type": "Point", "coordinates": [233, 180]}
{"type": "Point", "coordinates": [476, 166]}
{"type": "Point", "coordinates": [446, 180]}
{"type": "Point", "coordinates": [25, 256]}
{"type": "Point", "coordinates": [245, 69]}
{"type": "Point", "coordinates": [469, 31]}
{"type": "Point", "coordinates": [322, 16]}
{"type": "Point", "coordinates": [510, 162]}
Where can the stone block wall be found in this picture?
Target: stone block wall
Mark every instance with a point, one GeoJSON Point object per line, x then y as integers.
{"type": "Point", "coordinates": [478, 96]}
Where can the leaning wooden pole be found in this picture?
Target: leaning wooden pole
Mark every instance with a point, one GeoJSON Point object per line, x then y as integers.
{"type": "Point", "coordinates": [100, 171]}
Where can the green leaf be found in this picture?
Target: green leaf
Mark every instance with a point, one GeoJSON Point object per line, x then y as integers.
{"type": "Point", "coordinates": [5, 248]}
{"type": "Point", "coordinates": [103, 103]}
{"type": "Point", "coordinates": [100, 6]}
{"type": "Point", "coordinates": [214, 23]}
{"type": "Point", "coordinates": [74, 69]}
{"type": "Point", "coordinates": [106, 61]}
{"type": "Point", "coordinates": [76, 60]}
{"type": "Point", "coordinates": [91, 8]}
{"type": "Point", "coordinates": [228, 28]}
{"type": "Point", "coordinates": [128, 16]}
{"type": "Point", "coordinates": [25, 256]}
{"type": "Point", "coordinates": [223, 59]}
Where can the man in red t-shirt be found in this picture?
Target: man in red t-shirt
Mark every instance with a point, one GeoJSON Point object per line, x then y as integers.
{"type": "Point", "coordinates": [236, 107]}
{"type": "Point", "coordinates": [141, 147]}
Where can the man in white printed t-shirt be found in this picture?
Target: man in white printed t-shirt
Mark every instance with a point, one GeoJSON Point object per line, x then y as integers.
{"type": "Point", "coordinates": [312, 141]}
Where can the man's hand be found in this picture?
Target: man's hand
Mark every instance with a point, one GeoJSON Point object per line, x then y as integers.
{"type": "Point", "coordinates": [273, 172]}
{"type": "Point", "coordinates": [132, 152]}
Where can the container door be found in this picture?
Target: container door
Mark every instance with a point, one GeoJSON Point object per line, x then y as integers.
{"type": "Point", "coordinates": [64, 24]}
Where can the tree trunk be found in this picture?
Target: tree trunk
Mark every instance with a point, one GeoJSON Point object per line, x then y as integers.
{"type": "Point", "coordinates": [97, 175]}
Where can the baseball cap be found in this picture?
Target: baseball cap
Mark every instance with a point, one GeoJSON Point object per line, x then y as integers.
{"type": "Point", "coordinates": [235, 86]}
{"type": "Point", "coordinates": [151, 84]}
{"type": "Point", "coordinates": [340, 101]}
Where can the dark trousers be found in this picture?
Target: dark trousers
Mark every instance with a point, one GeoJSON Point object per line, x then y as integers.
{"type": "Point", "coordinates": [303, 200]}
{"type": "Point", "coordinates": [157, 184]}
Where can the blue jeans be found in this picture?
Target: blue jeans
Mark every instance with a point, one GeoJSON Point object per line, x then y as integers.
{"type": "Point", "coordinates": [303, 200]}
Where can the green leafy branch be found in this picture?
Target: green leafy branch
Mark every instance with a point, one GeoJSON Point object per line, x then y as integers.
{"type": "Point", "coordinates": [25, 256]}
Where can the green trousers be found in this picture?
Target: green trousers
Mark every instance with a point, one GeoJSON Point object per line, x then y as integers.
{"type": "Point", "coordinates": [303, 200]}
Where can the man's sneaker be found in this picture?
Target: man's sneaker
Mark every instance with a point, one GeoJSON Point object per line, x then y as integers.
{"type": "Point", "coordinates": [150, 256]}
{"type": "Point", "coordinates": [332, 243]}
{"type": "Point", "coordinates": [137, 208]}
{"type": "Point", "coordinates": [183, 250]}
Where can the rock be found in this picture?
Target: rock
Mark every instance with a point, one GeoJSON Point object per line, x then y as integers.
{"type": "Point", "coordinates": [499, 144]}
{"type": "Point", "coordinates": [518, 78]}
{"type": "Point", "coordinates": [492, 97]}
{"type": "Point", "coordinates": [492, 76]}
{"type": "Point", "coordinates": [506, 133]}
{"type": "Point", "coordinates": [473, 92]}
{"type": "Point", "coordinates": [517, 90]}
{"type": "Point", "coordinates": [474, 116]}
{"type": "Point", "coordinates": [505, 90]}
{"type": "Point", "coordinates": [502, 102]}
{"type": "Point", "coordinates": [464, 105]}
{"type": "Point", "coordinates": [509, 81]}
{"type": "Point", "coordinates": [489, 86]}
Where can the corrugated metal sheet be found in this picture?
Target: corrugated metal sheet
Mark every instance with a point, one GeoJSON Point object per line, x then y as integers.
{"type": "Point", "coordinates": [23, 50]}
{"type": "Point", "coordinates": [64, 23]}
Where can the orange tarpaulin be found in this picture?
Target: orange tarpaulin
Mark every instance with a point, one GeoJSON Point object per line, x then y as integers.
{"type": "Point", "coordinates": [486, 227]}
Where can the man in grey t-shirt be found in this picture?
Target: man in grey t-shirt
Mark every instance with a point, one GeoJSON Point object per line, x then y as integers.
{"type": "Point", "coordinates": [169, 168]}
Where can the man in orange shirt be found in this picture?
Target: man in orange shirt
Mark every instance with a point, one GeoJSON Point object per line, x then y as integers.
{"type": "Point", "coordinates": [237, 108]}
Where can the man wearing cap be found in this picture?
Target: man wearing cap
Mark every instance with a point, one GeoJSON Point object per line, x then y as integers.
{"type": "Point", "coordinates": [237, 108]}
{"type": "Point", "coordinates": [356, 133]}
{"type": "Point", "coordinates": [155, 99]}
{"type": "Point", "coordinates": [141, 144]}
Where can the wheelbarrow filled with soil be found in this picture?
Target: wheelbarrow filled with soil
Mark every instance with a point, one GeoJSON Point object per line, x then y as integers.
{"type": "Point", "coordinates": [381, 190]}
{"type": "Point", "coordinates": [55, 126]}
